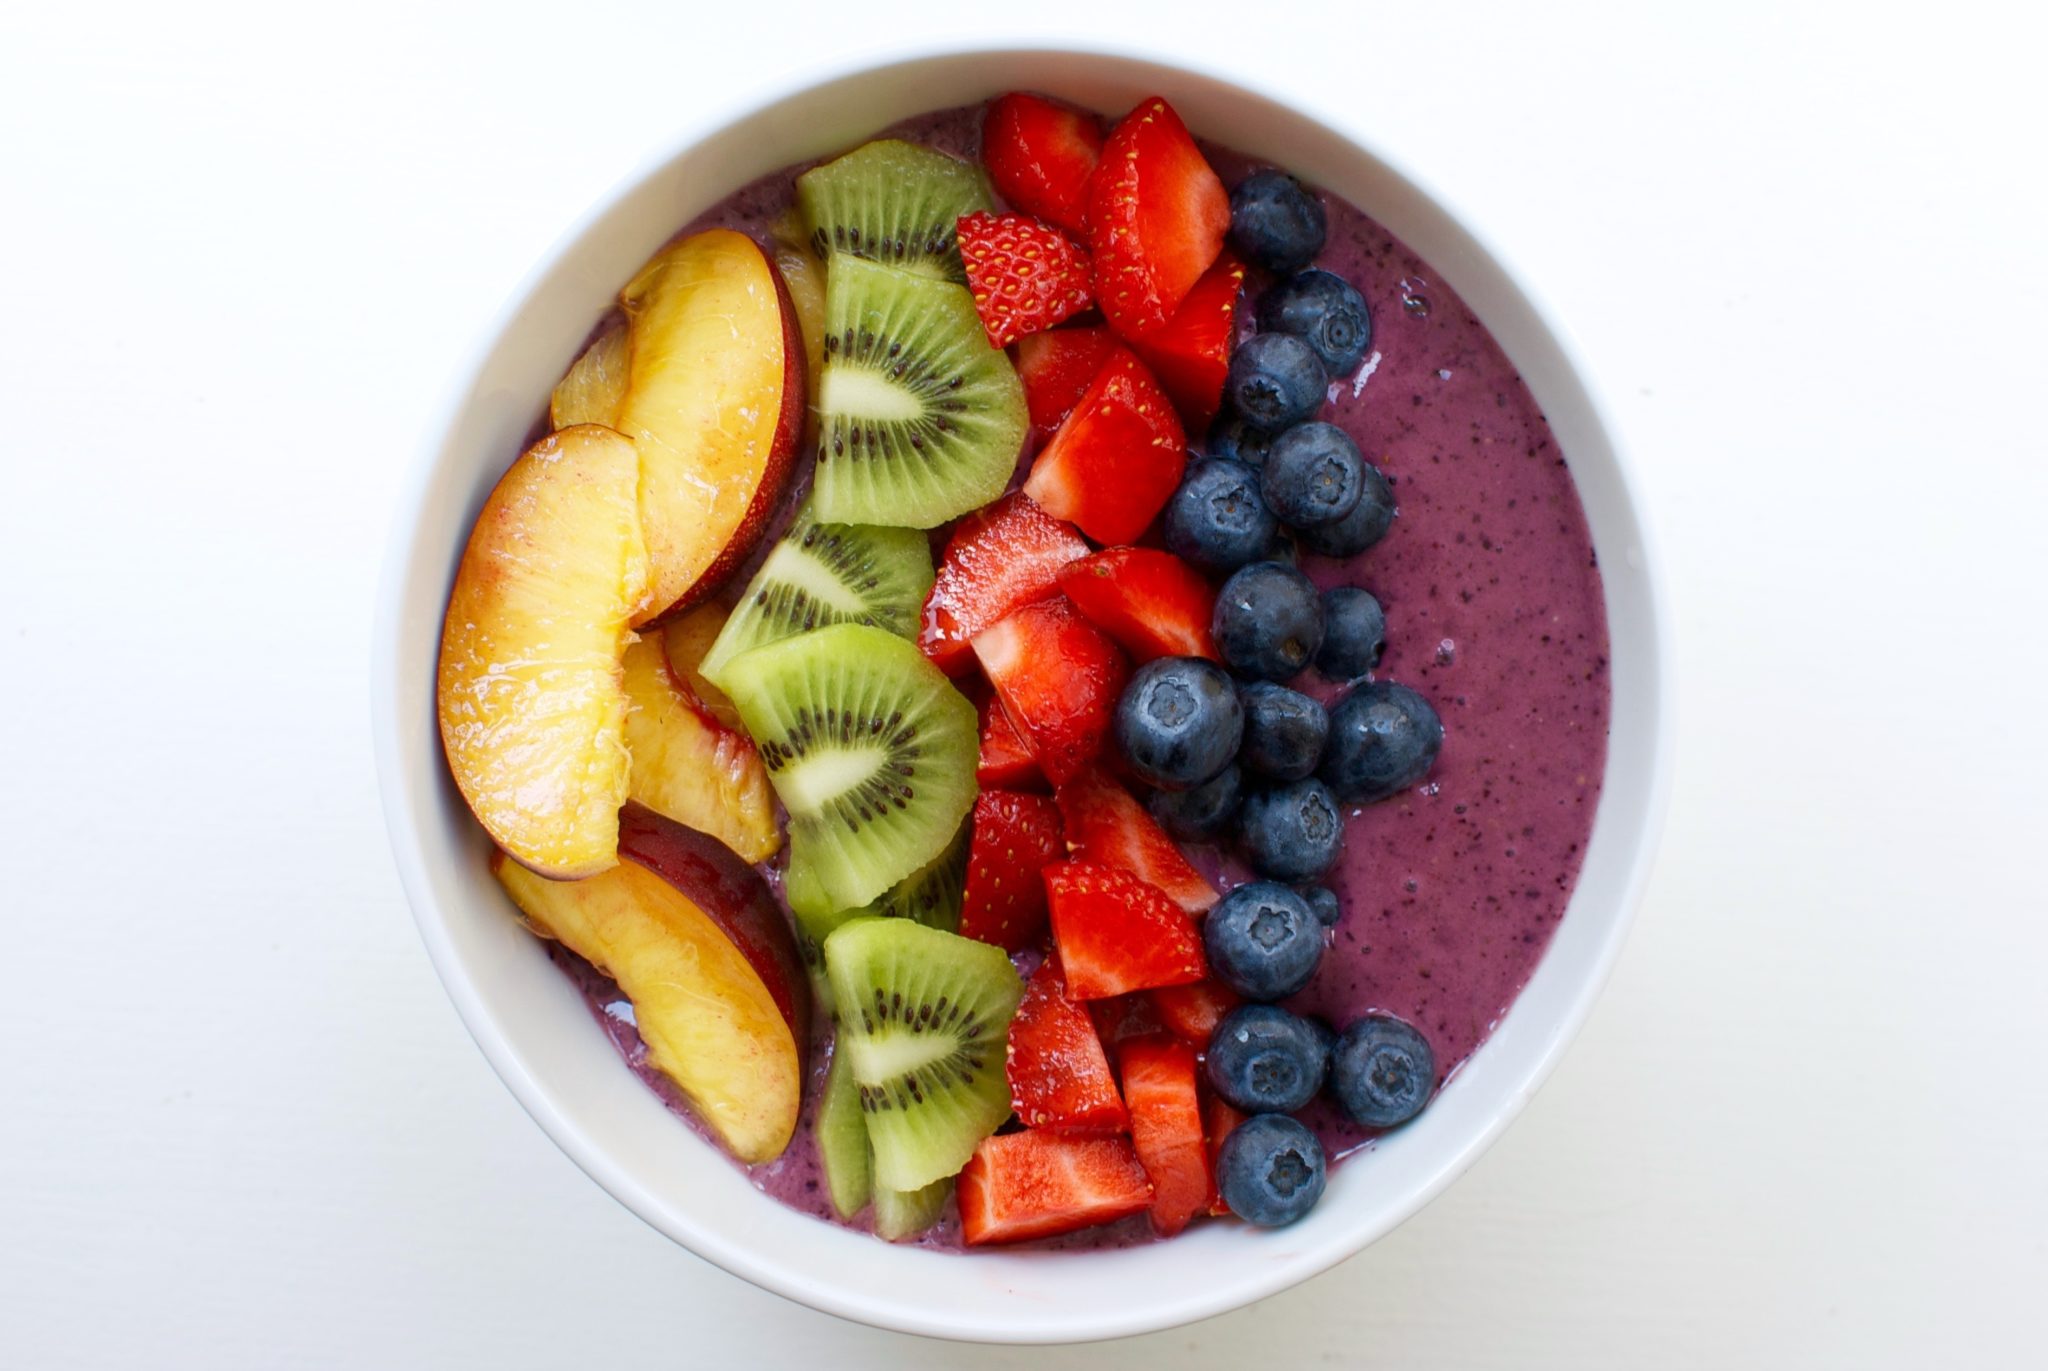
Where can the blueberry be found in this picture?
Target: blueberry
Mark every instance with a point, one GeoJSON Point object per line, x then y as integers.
{"type": "Point", "coordinates": [1383, 1071]}
{"type": "Point", "coordinates": [1276, 380]}
{"type": "Point", "coordinates": [1325, 312]}
{"type": "Point", "coordinates": [1271, 1170]}
{"type": "Point", "coordinates": [1354, 633]}
{"type": "Point", "coordinates": [1284, 731]}
{"type": "Point", "coordinates": [1322, 902]}
{"type": "Point", "coordinates": [1201, 814]}
{"type": "Point", "coordinates": [1231, 437]}
{"type": "Point", "coordinates": [1291, 832]}
{"type": "Point", "coordinates": [1312, 476]}
{"type": "Point", "coordinates": [1268, 621]}
{"type": "Point", "coordinates": [1365, 525]}
{"type": "Point", "coordinates": [1179, 721]}
{"type": "Point", "coordinates": [1217, 519]}
{"type": "Point", "coordinates": [1262, 941]}
{"type": "Point", "coordinates": [1275, 222]}
{"type": "Point", "coordinates": [1383, 739]}
{"type": "Point", "coordinates": [1265, 1060]}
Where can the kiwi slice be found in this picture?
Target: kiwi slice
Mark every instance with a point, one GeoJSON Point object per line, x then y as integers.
{"type": "Point", "coordinates": [919, 419]}
{"type": "Point", "coordinates": [870, 749]}
{"type": "Point", "coordinates": [931, 895]}
{"type": "Point", "coordinates": [924, 1018]}
{"type": "Point", "coordinates": [892, 202]}
{"type": "Point", "coordinates": [901, 1214]}
{"type": "Point", "coordinates": [823, 574]}
{"type": "Point", "coordinates": [842, 1134]}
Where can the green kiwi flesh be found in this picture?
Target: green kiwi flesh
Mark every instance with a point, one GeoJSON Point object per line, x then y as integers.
{"type": "Point", "coordinates": [892, 202]}
{"type": "Point", "coordinates": [931, 895]}
{"type": "Point", "coordinates": [901, 1214]}
{"type": "Point", "coordinates": [842, 1135]}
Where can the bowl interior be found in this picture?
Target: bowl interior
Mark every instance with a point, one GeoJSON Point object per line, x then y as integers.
{"type": "Point", "coordinates": [531, 1023]}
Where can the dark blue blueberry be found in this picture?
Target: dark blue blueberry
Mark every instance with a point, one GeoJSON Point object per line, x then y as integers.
{"type": "Point", "coordinates": [1265, 1060]}
{"type": "Point", "coordinates": [1204, 813]}
{"type": "Point", "coordinates": [1383, 739]}
{"type": "Point", "coordinates": [1179, 721]}
{"type": "Point", "coordinates": [1313, 476]}
{"type": "Point", "coordinates": [1262, 941]}
{"type": "Point", "coordinates": [1276, 223]}
{"type": "Point", "coordinates": [1365, 525]}
{"type": "Point", "coordinates": [1271, 1170]}
{"type": "Point", "coordinates": [1284, 731]}
{"type": "Point", "coordinates": [1231, 437]}
{"type": "Point", "coordinates": [1268, 622]}
{"type": "Point", "coordinates": [1382, 1071]}
{"type": "Point", "coordinates": [1291, 832]}
{"type": "Point", "coordinates": [1217, 519]}
{"type": "Point", "coordinates": [1276, 381]}
{"type": "Point", "coordinates": [1325, 312]}
{"type": "Point", "coordinates": [1322, 902]}
{"type": "Point", "coordinates": [1354, 633]}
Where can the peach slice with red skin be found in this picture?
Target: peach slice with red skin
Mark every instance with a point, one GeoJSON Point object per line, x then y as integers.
{"type": "Point", "coordinates": [689, 767]}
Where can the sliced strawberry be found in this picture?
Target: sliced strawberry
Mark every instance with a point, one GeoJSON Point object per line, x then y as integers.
{"type": "Point", "coordinates": [1014, 836]}
{"type": "Point", "coordinates": [1058, 367]}
{"type": "Point", "coordinates": [999, 558]}
{"type": "Point", "coordinates": [1190, 352]}
{"type": "Point", "coordinates": [1116, 459]}
{"type": "Point", "coordinates": [1124, 1016]}
{"type": "Point", "coordinates": [1059, 1074]}
{"type": "Point", "coordinates": [1156, 218]}
{"type": "Point", "coordinates": [1219, 1117]}
{"type": "Point", "coordinates": [1058, 677]}
{"type": "Point", "coordinates": [1166, 1129]}
{"type": "Point", "coordinates": [1151, 602]}
{"type": "Point", "coordinates": [1116, 934]}
{"type": "Point", "coordinates": [1040, 155]}
{"type": "Point", "coordinates": [1005, 762]}
{"type": "Point", "coordinates": [1025, 275]}
{"type": "Point", "coordinates": [1106, 825]}
{"type": "Point", "coordinates": [1193, 1011]}
{"type": "Point", "coordinates": [1038, 1183]}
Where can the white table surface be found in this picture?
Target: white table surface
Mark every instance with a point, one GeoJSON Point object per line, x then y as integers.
{"type": "Point", "coordinates": [242, 247]}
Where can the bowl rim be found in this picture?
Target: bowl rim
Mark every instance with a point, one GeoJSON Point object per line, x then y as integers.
{"type": "Point", "coordinates": [404, 828]}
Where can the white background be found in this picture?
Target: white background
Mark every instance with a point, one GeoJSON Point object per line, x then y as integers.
{"type": "Point", "coordinates": [242, 250]}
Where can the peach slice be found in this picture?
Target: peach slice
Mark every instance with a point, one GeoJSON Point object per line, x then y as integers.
{"type": "Point", "coordinates": [591, 391]}
{"type": "Point", "coordinates": [715, 403]}
{"type": "Point", "coordinates": [686, 640]}
{"type": "Point", "coordinates": [688, 766]}
{"type": "Point", "coordinates": [696, 942]}
{"type": "Point", "coordinates": [530, 693]}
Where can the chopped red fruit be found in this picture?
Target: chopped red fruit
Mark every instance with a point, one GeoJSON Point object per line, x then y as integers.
{"type": "Point", "coordinates": [1039, 1183]}
{"type": "Point", "coordinates": [1190, 352]}
{"type": "Point", "coordinates": [1005, 762]}
{"type": "Point", "coordinates": [1058, 677]}
{"type": "Point", "coordinates": [1166, 1129]}
{"type": "Point", "coordinates": [998, 559]}
{"type": "Point", "coordinates": [1058, 367]}
{"type": "Point", "coordinates": [1116, 459]}
{"type": "Point", "coordinates": [1151, 602]}
{"type": "Point", "coordinates": [1040, 155]}
{"type": "Point", "coordinates": [1014, 836]}
{"type": "Point", "coordinates": [1116, 934]}
{"type": "Point", "coordinates": [1124, 1016]}
{"type": "Point", "coordinates": [1106, 825]}
{"type": "Point", "coordinates": [1156, 218]}
{"type": "Point", "coordinates": [1025, 276]}
{"type": "Point", "coordinates": [1219, 1117]}
{"type": "Point", "coordinates": [1059, 1074]}
{"type": "Point", "coordinates": [1193, 1011]}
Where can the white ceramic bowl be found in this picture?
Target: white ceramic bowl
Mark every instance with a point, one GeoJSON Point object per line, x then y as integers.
{"type": "Point", "coordinates": [535, 1030]}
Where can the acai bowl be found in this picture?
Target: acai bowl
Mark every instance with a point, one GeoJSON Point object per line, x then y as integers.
{"type": "Point", "coordinates": [1421, 274]}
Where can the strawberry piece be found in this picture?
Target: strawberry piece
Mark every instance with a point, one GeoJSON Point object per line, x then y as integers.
{"type": "Point", "coordinates": [1151, 602]}
{"type": "Point", "coordinates": [1005, 762]}
{"type": "Point", "coordinates": [1116, 934]}
{"type": "Point", "coordinates": [1190, 352]}
{"type": "Point", "coordinates": [1193, 1011]}
{"type": "Point", "coordinates": [1059, 1074]}
{"type": "Point", "coordinates": [998, 559]}
{"type": "Point", "coordinates": [1039, 1183]}
{"type": "Point", "coordinates": [1124, 1016]}
{"type": "Point", "coordinates": [1058, 367]}
{"type": "Point", "coordinates": [1219, 1117]}
{"type": "Point", "coordinates": [1058, 677]}
{"type": "Point", "coordinates": [1117, 457]}
{"type": "Point", "coordinates": [1157, 216]}
{"type": "Point", "coordinates": [1025, 276]}
{"type": "Point", "coordinates": [1039, 157]}
{"type": "Point", "coordinates": [1014, 835]}
{"type": "Point", "coordinates": [1166, 1129]}
{"type": "Point", "coordinates": [1106, 825]}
